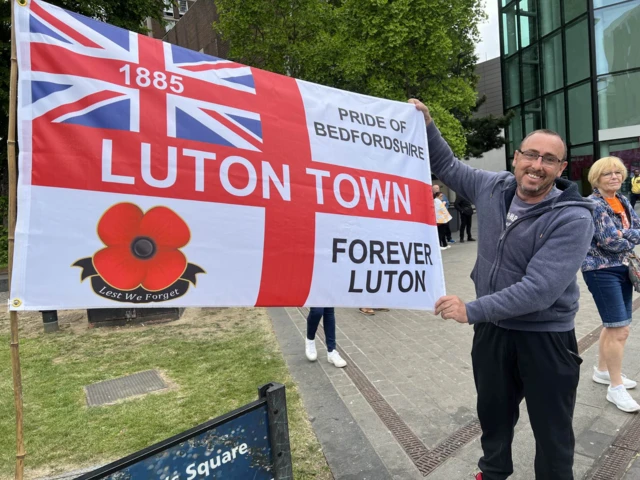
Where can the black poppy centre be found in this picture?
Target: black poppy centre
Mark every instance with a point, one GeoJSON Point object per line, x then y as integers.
{"type": "Point", "coordinates": [143, 248]}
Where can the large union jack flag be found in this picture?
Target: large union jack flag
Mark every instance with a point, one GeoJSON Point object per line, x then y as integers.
{"type": "Point", "coordinates": [114, 99]}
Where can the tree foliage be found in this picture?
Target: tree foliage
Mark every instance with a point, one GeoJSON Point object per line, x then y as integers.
{"type": "Point", "coordinates": [393, 49]}
{"type": "Point", "coordinates": [483, 133]}
{"type": "Point", "coordinates": [275, 35]}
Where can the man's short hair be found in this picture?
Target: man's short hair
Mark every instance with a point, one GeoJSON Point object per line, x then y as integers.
{"type": "Point", "coordinates": [605, 163]}
{"type": "Point", "coordinates": [546, 131]}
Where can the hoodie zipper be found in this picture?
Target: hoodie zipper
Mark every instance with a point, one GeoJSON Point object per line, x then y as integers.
{"type": "Point", "coordinates": [496, 264]}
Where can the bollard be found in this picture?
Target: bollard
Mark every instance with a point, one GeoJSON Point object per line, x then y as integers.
{"type": "Point", "coordinates": [50, 321]}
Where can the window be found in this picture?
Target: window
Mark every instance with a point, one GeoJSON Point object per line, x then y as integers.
{"type": "Point", "coordinates": [549, 15]}
{"type": "Point", "coordinates": [617, 37]}
{"type": "Point", "coordinates": [604, 3]}
{"type": "Point", "coordinates": [554, 113]}
{"type": "Point", "coordinates": [167, 8]}
{"type": "Point", "coordinates": [552, 63]}
{"type": "Point", "coordinates": [514, 132]}
{"type": "Point", "coordinates": [627, 150]}
{"type": "Point", "coordinates": [577, 55]}
{"type": "Point", "coordinates": [580, 161]}
{"type": "Point", "coordinates": [528, 23]}
{"type": "Point", "coordinates": [532, 117]}
{"type": "Point", "coordinates": [618, 100]}
{"type": "Point", "coordinates": [580, 121]}
{"type": "Point", "coordinates": [510, 30]}
{"type": "Point", "coordinates": [621, 148]}
{"type": "Point", "coordinates": [573, 9]}
{"type": "Point", "coordinates": [512, 81]}
{"type": "Point", "coordinates": [530, 73]}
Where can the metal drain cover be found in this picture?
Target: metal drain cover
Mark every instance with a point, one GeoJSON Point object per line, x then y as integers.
{"type": "Point", "coordinates": [110, 391]}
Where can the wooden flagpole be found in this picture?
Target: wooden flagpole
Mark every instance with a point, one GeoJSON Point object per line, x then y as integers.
{"type": "Point", "coordinates": [13, 198]}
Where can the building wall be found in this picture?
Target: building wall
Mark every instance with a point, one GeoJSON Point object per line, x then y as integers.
{"type": "Point", "coordinates": [155, 29]}
{"type": "Point", "coordinates": [574, 67]}
{"type": "Point", "coordinates": [494, 161]}
{"type": "Point", "coordinates": [171, 14]}
{"type": "Point", "coordinates": [490, 85]}
{"type": "Point", "coordinates": [195, 30]}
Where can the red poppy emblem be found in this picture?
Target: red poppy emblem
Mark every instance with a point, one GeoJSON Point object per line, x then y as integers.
{"type": "Point", "coordinates": [142, 249]}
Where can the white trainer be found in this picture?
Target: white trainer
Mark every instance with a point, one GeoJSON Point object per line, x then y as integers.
{"type": "Point", "coordinates": [310, 350]}
{"type": "Point", "coordinates": [621, 398]}
{"type": "Point", "coordinates": [335, 358]}
{"type": "Point", "coordinates": [605, 379]}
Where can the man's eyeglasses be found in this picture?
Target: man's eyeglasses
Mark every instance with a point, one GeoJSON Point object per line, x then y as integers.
{"type": "Point", "coordinates": [547, 160]}
{"type": "Point", "coordinates": [610, 174]}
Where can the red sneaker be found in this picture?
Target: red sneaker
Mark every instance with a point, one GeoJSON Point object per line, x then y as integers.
{"type": "Point", "coordinates": [479, 476]}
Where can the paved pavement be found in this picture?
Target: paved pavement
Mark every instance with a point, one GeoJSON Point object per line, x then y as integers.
{"type": "Point", "coordinates": [419, 365]}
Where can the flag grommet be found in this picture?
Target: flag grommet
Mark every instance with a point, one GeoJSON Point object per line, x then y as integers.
{"type": "Point", "coordinates": [16, 302]}
{"type": "Point", "coordinates": [23, 3]}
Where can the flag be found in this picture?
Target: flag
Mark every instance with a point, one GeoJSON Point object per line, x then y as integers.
{"type": "Point", "coordinates": [155, 175]}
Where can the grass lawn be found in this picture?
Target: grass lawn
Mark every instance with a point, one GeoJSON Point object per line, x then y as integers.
{"type": "Point", "coordinates": [213, 359]}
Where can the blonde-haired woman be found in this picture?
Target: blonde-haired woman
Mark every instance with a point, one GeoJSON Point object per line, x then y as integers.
{"type": "Point", "coordinates": [617, 232]}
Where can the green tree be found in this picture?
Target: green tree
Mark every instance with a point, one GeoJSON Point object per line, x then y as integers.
{"type": "Point", "coordinates": [281, 36]}
{"type": "Point", "coordinates": [414, 48]}
{"type": "Point", "coordinates": [392, 49]}
{"type": "Point", "coordinates": [483, 133]}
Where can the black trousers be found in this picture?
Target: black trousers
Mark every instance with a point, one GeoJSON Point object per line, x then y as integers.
{"type": "Point", "coordinates": [447, 231]}
{"type": "Point", "coordinates": [544, 369]}
{"type": "Point", "coordinates": [465, 222]}
{"type": "Point", "coordinates": [633, 198]}
{"type": "Point", "coordinates": [442, 234]}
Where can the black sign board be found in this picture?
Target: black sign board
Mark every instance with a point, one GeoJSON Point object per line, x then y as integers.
{"type": "Point", "coordinates": [250, 442]}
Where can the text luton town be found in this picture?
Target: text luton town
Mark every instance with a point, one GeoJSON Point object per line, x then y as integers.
{"type": "Point", "coordinates": [378, 195]}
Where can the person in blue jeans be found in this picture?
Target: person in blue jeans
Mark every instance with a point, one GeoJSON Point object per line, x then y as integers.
{"type": "Point", "coordinates": [606, 273]}
{"type": "Point", "coordinates": [313, 320]}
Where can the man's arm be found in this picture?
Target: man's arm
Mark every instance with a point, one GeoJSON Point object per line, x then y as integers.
{"type": "Point", "coordinates": [548, 275]}
{"type": "Point", "coordinates": [455, 174]}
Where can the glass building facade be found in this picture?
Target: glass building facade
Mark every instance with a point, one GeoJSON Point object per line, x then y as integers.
{"type": "Point", "coordinates": [573, 66]}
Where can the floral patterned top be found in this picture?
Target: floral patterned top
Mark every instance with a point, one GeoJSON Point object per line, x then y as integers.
{"type": "Point", "coordinates": [442, 214]}
{"type": "Point", "coordinates": [608, 249]}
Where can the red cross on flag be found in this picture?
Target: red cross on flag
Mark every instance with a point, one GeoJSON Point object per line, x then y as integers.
{"type": "Point", "coordinates": [154, 175]}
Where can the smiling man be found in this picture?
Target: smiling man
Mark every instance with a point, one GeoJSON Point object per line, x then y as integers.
{"type": "Point", "coordinates": [534, 230]}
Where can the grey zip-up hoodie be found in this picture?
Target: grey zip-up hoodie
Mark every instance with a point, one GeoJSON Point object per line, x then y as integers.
{"type": "Point", "coordinates": [525, 274]}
